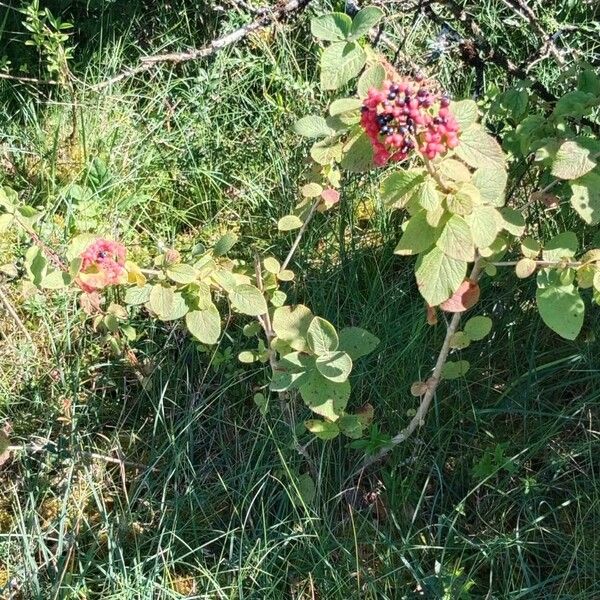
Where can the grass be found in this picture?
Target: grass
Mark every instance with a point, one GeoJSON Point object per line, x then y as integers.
{"type": "Point", "coordinates": [177, 487]}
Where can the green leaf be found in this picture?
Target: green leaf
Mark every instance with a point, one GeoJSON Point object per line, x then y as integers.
{"type": "Point", "coordinates": [464, 199]}
{"type": "Point", "coordinates": [485, 223]}
{"type": "Point", "coordinates": [313, 126]}
{"type": "Point", "coordinates": [364, 20]}
{"type": "Point", "coordinates": [336, 366]}
{"type": "Point", "coordinates": [476, 328]}
{"type": "Point", "coordinates": [326, 151]}
{"type": "Point", "coordinates": [290, 323]}
{"type": "Point", "coordinates": [225, 244]}
{"type": "Point", "coordinates": [357, 342]}
{"type": "Point", "coordinates": [261, 402]}
{"type": "Point", "coordinates": [6, 220]}
{"type": "Point", "coordinates": [36, 264]}
{"type": "Point", "coordinates": [460, 340]}
{"type": "Point", "coordinates": [588, 81]}
{"type": "Point", "coordinates": [491, 183]}
{"type": "Point", "coordinates": [396, 188]}
{"type": "Point", "coordinates": [162, 298]}
{"type": "Point", "coordinates": [454, 170]}
{"type": "Point", "coordinates": [324, 430]}
{"type": "Point", "coordinates": [204, 325]}
{"type": "Point", "coordinates": [574, 159]}
{"type": "Point", "coordinates": [479, 149]}
{"type": "Point", "coordinates": [465, 112]}
{"type": "Point", "coordinates": [427, 195]}
{"type": "Point", "coordinates": [575, 104]}
{"type": "Point", "coordinates": [306, 490]}
{"type": "Point", "coordinates": [455, 369]}
{"type": "Point", "coordinates": [168, 304]}
{"type": "Point", "coordinates": [247, 356]}
{"type": "Point", "coordinates": [289, 223]}
{"type": "Point", "coordinates": [332, 27]}
{"type": "Point", "coordinates": [325, 397]}
{"type": "Point", "coordinates": [56, 280]}
{"type": "Point", "coordinates": [351, 426]}
{"type": "Point", "coordinates": [373, 77]}
{"type": "Point", "coordinates": [525, 267]}
{"type": "Point", "coordinates": [271, 265]}
{"type": "Point", "coordinates": [346, 110]}
{"type": "Point", "coordinates": [561, 246]}
{"type": "Point", "coordinates": [321, 336]}
{"type": "Point", "coordinates": [182, 273]}
{"type": "Point", "coordinates": [418, 236]}
{"type": "Point", "coordinates": [456, 240]}
{"type": "Point", "coordinates": [344, 105]}
{"type": "Point", "coordinates": [512, 221]}
{"type": "Point", "coordinates": [292, 371]}
{"type": "Point", "coordinates": [248, 300]}
{"type": "Point", "coordinates": [135, 296]}
{"type": "Point", "coordinates": [561, 308]}
{"type": "Point", "coordinates": [439, 276]}
{"type": "Point", "coordinates": [358, 154]}
{"type": "Point", "coordinates": [585, 198]}
{"type": "Point", "coordinates": [530, 247]}
{"type": "Point", "coordinates": [340, 62]}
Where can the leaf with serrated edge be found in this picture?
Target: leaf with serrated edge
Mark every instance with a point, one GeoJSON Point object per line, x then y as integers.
{"type": "Point", "coordinates": [417, 237]}
{"type": "Point", "coordinates": [479, 149]}
{"type": "Point", "coordinates": [373, 77]}
{"type": "Point", "coordinates": [491, 183]}
{"type": "Point", "coordinates": [573, 159]}
{"type": "Point", "coordinates": [340, 62]}
{"type": "Point", "coordinates": [331, 27]}
{"type": "Point", "coordinates": [465, 112]}
{"type": "Point", "coordinates": [439, 276]}
{"type": "Point", "coordinates": [484, 222]}
{"type": "Point", "coordinates": [456, 240]}
{"type": "Point", "coordinates": [204, 325]}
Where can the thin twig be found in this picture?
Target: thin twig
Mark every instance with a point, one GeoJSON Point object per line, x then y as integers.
{"type": "Point", "coordinates": [294, 247]}
{"type": "Point", "coordinates": [541, 263]}
{"type": "Point", "coordinates": [13, 313]}
{"type": "Point", "coordinates": [27, 79]}
{"type": "Point", "coordinates": [432, 385]}
{"type": "Point", "coordinates": [286, 410]}
{"type": "Point", "coordinates": [147, 62]}
{"type": "Point", "coordinates": [521, 8]}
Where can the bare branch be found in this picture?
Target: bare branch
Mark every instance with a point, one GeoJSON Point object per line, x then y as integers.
{"type": "Point", "coordinates": [267, 18]}
{"type": "Point", "coordinates": [432, 385]}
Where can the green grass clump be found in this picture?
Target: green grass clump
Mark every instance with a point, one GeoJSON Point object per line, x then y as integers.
{"type": "Point", "coordinates": [165, 481]}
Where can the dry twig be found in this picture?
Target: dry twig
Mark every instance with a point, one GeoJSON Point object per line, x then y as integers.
{"type": "Point", "coordinates": [267, 18]}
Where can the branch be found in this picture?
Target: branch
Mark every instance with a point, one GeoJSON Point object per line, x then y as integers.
{"type": "Point", "coordinates": [27, 79]}
{"type": "Point", "coordinates": [309, 216]}
{"type": "Point", "coordinates": [13, 313]}
{"type": "Point", "coordinates": [432, 385]}
{"type": "Point", "coordinates": [542, 263]}
{"type": "Point", "coordinates": [147, 62]}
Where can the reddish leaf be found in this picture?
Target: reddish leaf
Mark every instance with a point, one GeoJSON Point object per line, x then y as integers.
{"type": "Point", "coordinates": [431, 315]}
{"type": "Point", "coordinates": [330, 196]}
{"type": "Point", "coordinates": [464, 298]}
{"type": "Point", "coordinates": [365, 414]}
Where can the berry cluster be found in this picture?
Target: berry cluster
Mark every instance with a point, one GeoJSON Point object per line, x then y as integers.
{"type": "Point", "coordinates": [103, 263]}
{"type": "Point", "coordinates": [406, 113]}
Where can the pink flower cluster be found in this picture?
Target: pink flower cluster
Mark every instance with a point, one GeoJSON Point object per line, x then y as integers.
{"type": "Point", "coordinates": [404, 114]}
{"type": "Point", "coordinates": [103, 264]}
